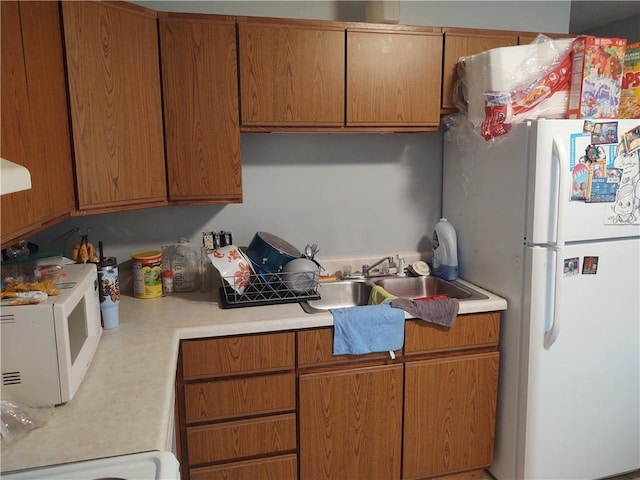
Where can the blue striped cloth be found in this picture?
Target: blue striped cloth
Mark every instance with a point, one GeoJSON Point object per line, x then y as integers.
{"type": "Point", "coordinates": [367, 329]}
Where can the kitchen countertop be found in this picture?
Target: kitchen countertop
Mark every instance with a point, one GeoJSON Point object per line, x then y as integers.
{"type": "Point", "coordinates": [124, 404]}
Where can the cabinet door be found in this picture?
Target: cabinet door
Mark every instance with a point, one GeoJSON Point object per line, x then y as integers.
{"type": "Point", "coordinates": [244, 438]}
{"type": "Point", "coordinates": [393, 78]}
{"type": "Point", "coordinates": [114, 84]}
{"type": "Point", "coordinates": [35, 119]}
{"type": "Point", "coordinates": [459, 43]}
{"type": "Point", "coordinates": [291, 73]}
{"type": "Point", "coordinates": [449, 414]}
{"type": "Point", "coordinates": [284, 467]}
{"type": "Point", "coordinates": [225, 399]}
{"type": "Point", "coordinates": [243, 354]}
{"type": "Point", "coordinates": [350, 423]}
{"type": "Point", "coordinates": [201, 113]}
{"type": "Point", "coordinates": [474, 330]}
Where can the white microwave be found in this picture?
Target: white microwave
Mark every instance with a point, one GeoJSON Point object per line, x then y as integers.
{"type": "Point", "coordinates": [47, 348]}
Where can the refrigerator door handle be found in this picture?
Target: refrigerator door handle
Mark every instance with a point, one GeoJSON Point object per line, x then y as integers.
{"type": "Point", "coordinates": [564, 186]}
{"type": "Point", "coordinates": [560, 158]}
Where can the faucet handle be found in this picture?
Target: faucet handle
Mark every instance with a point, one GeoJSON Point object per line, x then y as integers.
{"type": "Point", "coordinates": [401, 267]}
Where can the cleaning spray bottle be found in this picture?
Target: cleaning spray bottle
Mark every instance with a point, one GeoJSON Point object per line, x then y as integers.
{"type": "Point", "coordinates": [445, 251]}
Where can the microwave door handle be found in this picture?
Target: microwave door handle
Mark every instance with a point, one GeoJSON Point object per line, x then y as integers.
{"type": "Point", "coordinates": [559, 156]}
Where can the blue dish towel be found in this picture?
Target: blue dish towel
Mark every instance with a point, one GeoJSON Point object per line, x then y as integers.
{"type": "Point", "coordinates": [367, 329]}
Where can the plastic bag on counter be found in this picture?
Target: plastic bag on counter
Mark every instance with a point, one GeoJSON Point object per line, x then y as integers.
{"type": "Point", "coordinates": [18, 420]}
{"type": "Point", "coordinates": [31, 274]}
{"type": "Point", "coordinates": [508, 85]}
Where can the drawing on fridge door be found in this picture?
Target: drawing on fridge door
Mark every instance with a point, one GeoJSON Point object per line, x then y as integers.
{"type": "Point", "coordinates": [626, 208]}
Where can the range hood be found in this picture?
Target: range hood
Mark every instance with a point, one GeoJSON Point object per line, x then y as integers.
{"type": "Point", "coordinates": [13, 177]}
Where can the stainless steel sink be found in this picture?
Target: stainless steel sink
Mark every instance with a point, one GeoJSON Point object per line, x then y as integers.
{"type": "Point", "coordinates": [347, 293]}
{"type": "Point", "coordinates": [352, 293]}
{"type": "Point", "coordinates": [418, 287]}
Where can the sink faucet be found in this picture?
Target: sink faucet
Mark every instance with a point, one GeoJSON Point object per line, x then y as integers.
{"type": "Point", "coordinates": [367, 268]}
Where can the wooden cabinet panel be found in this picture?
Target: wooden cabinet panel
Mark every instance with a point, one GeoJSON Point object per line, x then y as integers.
{"type": "Point", "coordinates": [243, 438]}
{"type": "Point", "coordinates": [291, 73]}
{"type": "Point", "coordinates": [351, 423]}
{"type": "Point", "coordinates": [114, 84]}
{"type": "Point", "coordinates": [449, 414]}
{"type": "Point", "coordinates": [469, 331]}
{"type": "Point", "coordinates": [35, 118]}
{"type": "Point", "coordinates": [201, 109]}
{"type": "Point", "coordinates": [460, 43]}
{"type": "Point", "coordinates": [223, 399]}
{"type": "Point", "coordinates": [393, 78]}
{"type": "Point", "coordinates": [235, 355]}
{"type": "Point", "coordinates": [315, 348]}
{"type": "Point", "coordinates": [284, 467]}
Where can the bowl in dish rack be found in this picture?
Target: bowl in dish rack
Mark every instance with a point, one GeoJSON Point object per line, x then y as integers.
{"type": "Point", "coordinates": [234, 267]}
{"type": "Point", "coordinates": [301, 275]}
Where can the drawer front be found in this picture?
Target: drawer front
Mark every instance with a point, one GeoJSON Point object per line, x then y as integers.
{"type": "Point", "coordinates": [284, 467]}
{"type": "Point", "coordinates": [469, 331]}
{"type": "Point", "coordinates": [240, 439]}
{"type": "Point", "coordinates": [315, 348]}
{"type": "Point", "coordinates": [235, 355]}
{"type": "Point", "coordinates": [221, 399]}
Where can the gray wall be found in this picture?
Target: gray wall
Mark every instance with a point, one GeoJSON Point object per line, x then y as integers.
{"type": "Point", "coordinates": [628, 28]}
{"type": "Point", "coordinates": [353, 194]}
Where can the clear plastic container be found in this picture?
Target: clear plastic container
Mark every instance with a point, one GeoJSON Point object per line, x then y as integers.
{"type": "Point", "coordinates": [206, 272]}
{"type": "Point", "coordinates": [185, 264]}
{"type": "Point", "coordinates": [445, 251]}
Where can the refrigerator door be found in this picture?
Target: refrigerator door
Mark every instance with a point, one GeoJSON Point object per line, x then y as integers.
{"type": "Point", "coordinates": [555, 148]}
{"type": "Point", "coordinates": [583, 393]}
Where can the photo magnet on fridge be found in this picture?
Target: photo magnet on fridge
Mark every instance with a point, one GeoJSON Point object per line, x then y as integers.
{"type": "Point", "coordinates": [590, 265]}
{"type": "Point", "coordinates": [571, 266]}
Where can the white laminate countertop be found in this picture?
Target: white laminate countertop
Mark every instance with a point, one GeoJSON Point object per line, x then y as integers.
{"type": "Point", "coordinates": [125, 402]}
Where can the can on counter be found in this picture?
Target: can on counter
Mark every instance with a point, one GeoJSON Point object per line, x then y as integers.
{"type": "Point", "coordinates": [147, 274]}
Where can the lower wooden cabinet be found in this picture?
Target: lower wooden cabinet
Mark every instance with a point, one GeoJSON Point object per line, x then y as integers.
{"type": "Point", "coordinates": [449, 414]}
{"type": "Point", "coordinates": [241, 439]}
{"type": "Point", "coordinates": [284, 467]}
{"type": "Point", "coordinates": [281, 406]}
{"type": "Point", "coordinates": [351, 423]}
{"type": "Point", "coordinates": [237, 407]}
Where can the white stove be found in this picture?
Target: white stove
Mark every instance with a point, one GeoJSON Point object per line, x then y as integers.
{"type": "Point", "coordinates": [138, 466]}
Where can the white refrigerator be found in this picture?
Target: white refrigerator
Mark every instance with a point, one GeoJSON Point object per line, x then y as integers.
{"type": "Point", "coordinates": [569, 386]}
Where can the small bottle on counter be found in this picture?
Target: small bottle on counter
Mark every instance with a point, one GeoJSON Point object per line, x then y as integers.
{"type": "Point", "coordinates": [167, 282]}
{"type": "Point", "coordinates": [184, 264]}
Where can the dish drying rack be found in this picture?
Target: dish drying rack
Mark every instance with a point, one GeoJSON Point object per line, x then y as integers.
{"type": "Point", "coordinates": [265, 289]}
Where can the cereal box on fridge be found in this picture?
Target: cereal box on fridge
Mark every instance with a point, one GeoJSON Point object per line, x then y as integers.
{"type": "Point", "coordinates": [630, 94]}
{"type": "Point", "coordinates": [596, 77]}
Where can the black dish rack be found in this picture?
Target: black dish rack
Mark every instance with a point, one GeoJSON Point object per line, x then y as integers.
{"type": "Point", "coordinates": [267, 289]}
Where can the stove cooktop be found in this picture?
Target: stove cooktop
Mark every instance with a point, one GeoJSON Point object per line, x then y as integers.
{"type": "Point", "coordinates": [138, 466]}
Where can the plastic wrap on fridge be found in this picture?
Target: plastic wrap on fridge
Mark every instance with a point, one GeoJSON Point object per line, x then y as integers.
{"type": "Point", "coordinates": [507, 85]}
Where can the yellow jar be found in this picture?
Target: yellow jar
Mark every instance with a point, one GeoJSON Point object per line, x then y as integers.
{"type": "Point", "coordinates": [147, 274]}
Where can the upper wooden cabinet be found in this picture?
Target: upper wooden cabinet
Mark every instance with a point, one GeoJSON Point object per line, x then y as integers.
{"type": "Point", "coordinates": [114, 88]}
{"type": "Point", "coordinates": [291, 72]}
{"type": "Point", "coordinates": [393, 76]}
{"type": "Point", "coordinates": [460, 42]}
{"type": "Point", "coordinates": [293, 75]}
{"type": "Point", "coordinates": [35, 119]}
{"type": "Point", "coordinates": [201, 113]}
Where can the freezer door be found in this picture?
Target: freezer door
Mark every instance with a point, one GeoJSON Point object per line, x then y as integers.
{"type": "Point", "coordinates": [555, 148]}
{"type": "Point", "coordinates": [583, 390]}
